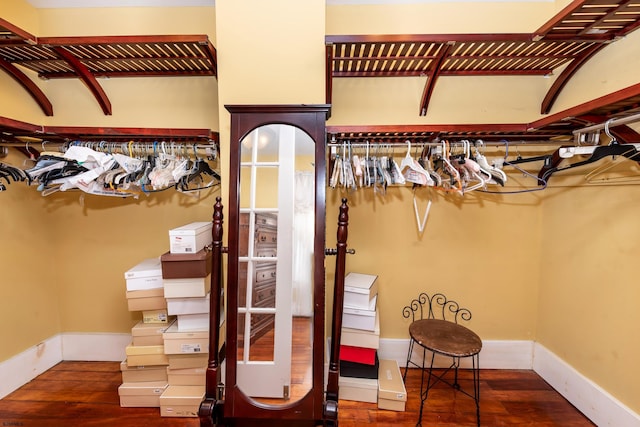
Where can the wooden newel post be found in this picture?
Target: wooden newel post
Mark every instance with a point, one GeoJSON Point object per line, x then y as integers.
{"type": "Point", "coordinates": [211, 404]}
{"type": "Point", "coordinates": [338, 302]}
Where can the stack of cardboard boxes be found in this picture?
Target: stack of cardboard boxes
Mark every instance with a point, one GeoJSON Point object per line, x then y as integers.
{"type": "Point", "coordinates": [360, 339]}
{"type": "Point", "coordinates": [144, 373]}
{"type": "Point", "coordinates": [363, 376]}
{"type": "Point", "coordinates": [172, 340]}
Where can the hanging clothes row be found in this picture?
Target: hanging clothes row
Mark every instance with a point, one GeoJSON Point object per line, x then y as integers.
{"type": "Point", "coordinates": [124, 169]}
{"type": "Point", "coordinates": [459, 167]}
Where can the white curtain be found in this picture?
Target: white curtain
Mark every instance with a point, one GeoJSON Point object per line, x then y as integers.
{"type": "Point", "coordinates": [303, 232]}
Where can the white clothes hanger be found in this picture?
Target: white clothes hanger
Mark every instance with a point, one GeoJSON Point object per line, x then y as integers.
{"type": "Point", "coordinates": [413, 172]}
{"type": "Point", "coordinates": [421, 222]}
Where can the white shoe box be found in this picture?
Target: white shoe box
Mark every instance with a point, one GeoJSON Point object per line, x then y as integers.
{"type": "Point", "coordinates": [147, 274]}
{"type": "Point", "coordinates": [195, 305]}
{"type": "Point", "coordinates": [194, 287]}
{"type": "Point", "coordinates": [190, 238]}
{"type": "Point", "coordinates": [358, 318]}
{"type": "Point", "coordinates": [359, 290]}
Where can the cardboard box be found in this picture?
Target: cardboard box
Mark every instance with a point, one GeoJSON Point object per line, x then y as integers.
{"type": "Point", "coordinates": [392, 394]}
{"type": "Point", "coordinates": [137, 374]}
{"type": "Point", "coordinates": [146, 355]}
{"type": "Point", "coordinates": [358, 389]}
{"type": "Point", "coordinates": [145, 275]}
{"type": "Point", "coordinates": [141, 394]}
{"type": "Point", "coordinates": [144, 334]}
{"type": "Point", "coordinates": [186, 361]}
{"type": "Point", "coordinates": [177, 266]}
{"type": "Point", "coordinates": [192, 342]}
{"type": "Point", "coordinates": [147, 360]}
{"type": "Point", "coordinates": [181, 400]}
{"type": "Point", "coordinates": [195, 305]}
{"type": "Point", "coordinates": [359, 318]}
{"type": "Point", "coordinates": [193, 322]}
{"type": "Point", "coordinates": [148, 299]}
{"type": "Point", "coordinates": [361, 338]}
{"type": "Point", "coordinates": [194, 287]}
{"type": "Point", "coordinates": [156, 316]}
{"type": "Point", "coordinates": [189, 376]}
{"type": "Point", "coordinates": [190, 238]}
{"type": "Point", "coordinates": [136, 350]}
{"type": "Point", "coordinates": [359, 290]}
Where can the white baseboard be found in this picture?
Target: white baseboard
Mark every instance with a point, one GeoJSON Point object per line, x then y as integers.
{"type": "Point", "coordinates": [494, 354]}
{"type": "Point", "coordinates": [22, 368]}
{"type": "Point", "coordinates": [95, 347]}
{"type": "Point", "coordinates": [590, 399]}
{"type": "Point", "coordinates": [598, 405]}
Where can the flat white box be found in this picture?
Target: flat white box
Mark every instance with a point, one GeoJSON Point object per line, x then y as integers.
{"type": "Point", "coordinates": [392, 394]}
{"type": "Point", "coordinates": [358, 389]}
{"type": "Point", "coordinates": [145, 275]}
{"type": "Point", "coordinates": [144, 334]}
{"type": "Point", "coordinates": [193, 342]}
{"type": "Point", "coordinates": [358, 318]}
{"type": "Point", "coordinates": [361, 338]}
{"type": "Point", "coordinates": [190, 238]}
{"type": "Point", "coordinates": [142, 394]}
{"type": "Point", "coordinates": [189, 376]}
{"type": "Point", "coordinates": [181, 400]}
{"type": "Point", "coordinates": [188, 305]}
{"type": "Point", "coordinates": [194, 287]}
{"type": "Point", "coordinates": [359, 290]}
{"type": "Point", "coordinates": [193, 322]}
{"type": "Point", "coordinates": [137, 374]}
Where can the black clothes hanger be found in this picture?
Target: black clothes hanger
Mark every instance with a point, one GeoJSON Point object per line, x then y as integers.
{"type": "Point", "coordinates": [70, 168]}
{"type": "Point", "coordinates": [599, 152]}
{"type": "Point", "coordinates": [8, 171]}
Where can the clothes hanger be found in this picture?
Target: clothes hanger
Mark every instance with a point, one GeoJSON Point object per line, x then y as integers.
{"type": "Point", "coordinates": [474, 171]}
{"type": "Point", "coordinates": [496, 175]}
{"type": "Point", "coordinates": [412, 171]}
{"type": "Point", "coordinates": [629, 151]}
{"type": "Point", "coordinates": [455, 183]}
{"type": "Point", "coordinates": [421, 222]}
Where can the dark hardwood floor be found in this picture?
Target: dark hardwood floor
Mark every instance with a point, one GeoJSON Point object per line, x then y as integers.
{"type": "Point", "coordinates": [85, 394]}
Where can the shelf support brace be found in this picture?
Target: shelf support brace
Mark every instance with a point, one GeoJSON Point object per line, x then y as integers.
{"type": "Point", "coordinates": [29, 86]}
{"type": "Point", "coordinates": [564, 77]}
{"type": "Point", "coordinates": [85, 75]}
{"type": "Point", "coordinates": [433, 77]}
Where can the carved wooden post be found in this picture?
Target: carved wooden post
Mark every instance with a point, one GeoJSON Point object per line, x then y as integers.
{"type": "Point", "coordinates": [338, 302]}
{"type": "Point", "coordinates": [211, 405]}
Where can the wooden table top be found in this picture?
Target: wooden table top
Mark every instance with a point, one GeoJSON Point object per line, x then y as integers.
{"type": "Point", "coordinates": [444, 337]}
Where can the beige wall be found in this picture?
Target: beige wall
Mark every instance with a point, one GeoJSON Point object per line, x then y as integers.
{"type": "Point", "coordinates": [21, 14]}
{"type": "Point", "coordinates": [438, 17]}
{"type": "Point", "coordinates": [531, 266]}
{"type": "Point", "coordinates": [31, 282]}
{"type": "Point", "coordinates": [466, 251]}
{"type": "Point", "coordinates": [588, 313]}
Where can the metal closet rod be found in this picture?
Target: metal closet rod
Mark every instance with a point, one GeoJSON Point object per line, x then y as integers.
{"type": "Point", "coordinates": [611, 123]}
{"type": "Point", "coordinates": [475, 142]}
{"type": "Point", "coordinates": [107, 144]}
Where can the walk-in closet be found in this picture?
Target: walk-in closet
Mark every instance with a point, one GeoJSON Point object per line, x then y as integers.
{"type": "Point", "coordinates": [238, 212]}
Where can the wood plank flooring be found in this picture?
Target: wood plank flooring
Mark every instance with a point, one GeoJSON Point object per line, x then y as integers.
{"type": "Point", "coordinates": [85, 394]}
